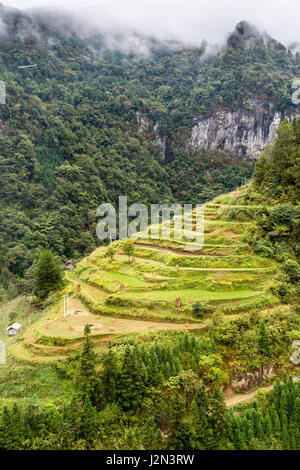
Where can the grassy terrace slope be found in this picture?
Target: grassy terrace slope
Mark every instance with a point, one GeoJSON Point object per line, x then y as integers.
{"type": "Point", "coordinates": [120, 299]}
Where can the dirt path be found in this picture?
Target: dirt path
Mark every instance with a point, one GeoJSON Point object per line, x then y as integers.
{"type": "Point", "coordinates": [245, 397]}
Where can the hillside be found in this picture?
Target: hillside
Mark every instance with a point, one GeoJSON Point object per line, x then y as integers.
{"type": "Point", "coordinates": [230, 329]}
{"type": "Point", "coordinates": [89, 123]}
{"type": "Point", "coordinates": [228, 278]}
{"type": "Point", "coordinates": [146, 344]}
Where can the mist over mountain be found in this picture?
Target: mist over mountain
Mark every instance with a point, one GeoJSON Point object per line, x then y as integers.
{"type": "Point", "coordinates": [105, 114]}
{"type": "Point", "coordinates": [49, 26]}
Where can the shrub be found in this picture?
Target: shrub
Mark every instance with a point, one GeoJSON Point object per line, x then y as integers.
{"type": "Point", "coordinates": [283, 214]}
{"type": "Point", "coordinates": [292, 271]}
{"type": "Point", "coordinates": [197, 309]}
{"type": "Point", "coordinates": [263, 248]}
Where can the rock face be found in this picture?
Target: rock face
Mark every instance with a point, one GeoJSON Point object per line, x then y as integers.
{"type": "Point", "coordinates": [146, 126]}
{"type": "Point", "coordinates": [241, 132]}
{"type": "Point", "coordinates": [242, 383]}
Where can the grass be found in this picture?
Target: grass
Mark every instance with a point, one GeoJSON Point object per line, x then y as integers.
{"type": "Point", "coordinates": [189, 295]}
{"type": "Point", "coordinates": [224, 275]}
{"type": "Point", "coordinates": [73, 325]}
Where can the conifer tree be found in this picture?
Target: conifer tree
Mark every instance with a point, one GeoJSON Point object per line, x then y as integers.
{"type": "Point", "coordinates": [132, 379]}
{"type": "Point", "coordinates": [109, 378]}
{"type": "Point", "coordinates": [47, 275]}
{"type": "Point", "coordinates": [263, 340]}
{"type": "Point", "coordinates": [88, 382]}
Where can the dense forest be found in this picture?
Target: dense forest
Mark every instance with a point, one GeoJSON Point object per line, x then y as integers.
{"type": "Point", "coordinates": [152, 399]}
{"type": "Point", "coordinates": [72, 135]}
{"type": "Point", "coordinates": [85, 124]}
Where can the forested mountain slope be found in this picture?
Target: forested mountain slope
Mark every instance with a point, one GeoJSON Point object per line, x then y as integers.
{"type": "Point", "coordinates": [89, 123]}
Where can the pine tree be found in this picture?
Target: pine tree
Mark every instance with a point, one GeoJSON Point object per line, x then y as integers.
{"type": "Point", "coordinates": [88, 382]}
{"type": "Point", "coordinates": [109, 376]}
{"type": "Point", "coordinates": [167, 371]}
{"type": "Point", "coordinates": [154, 373]}
{"type": "Point", "coordinates": [132, 378]}
{"type": "Point", "coordinates": [268, 428]}
{"type": "Point", "coordinates": [263, 341]}
{"type": "Point", "coordinates": [217, 415]}
{"type": "Point", "coordinates": [47, 275]}
{"type": "Point", "coordinates": [89, 423]}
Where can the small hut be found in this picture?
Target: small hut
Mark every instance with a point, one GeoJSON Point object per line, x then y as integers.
{"type": "Point", "coordinates": [70, 265]}
{"type": "Point", "coordinates": [13, 329]}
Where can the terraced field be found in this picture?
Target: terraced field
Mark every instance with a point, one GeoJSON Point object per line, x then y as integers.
{"type": "Point", "coordinates": [157, 290]}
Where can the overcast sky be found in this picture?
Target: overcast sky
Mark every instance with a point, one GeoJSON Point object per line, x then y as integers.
{"type": "Point", "coordinates": [187, 20]}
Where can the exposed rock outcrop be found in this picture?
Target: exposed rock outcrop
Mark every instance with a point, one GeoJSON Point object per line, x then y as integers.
{"type": "Point", "coordinates": [147, 126]}
{"type": "Point", "coordinates": [242, 132]}
{"type": "Point", "coordinates": [244, 382]}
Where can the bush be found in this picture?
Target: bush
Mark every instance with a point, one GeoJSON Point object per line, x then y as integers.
{"type": "Point", "coordinates": [263, 248]}
{"type": "Point", "coordinates": [283, 214]}
{"type": "Point", "coordinates": [197, 309]}
{"type": "Point", "coordinates": [292, 271]}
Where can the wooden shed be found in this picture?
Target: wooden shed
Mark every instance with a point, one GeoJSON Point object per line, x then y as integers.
{"type": "Point", "coordinates": [13, 329]}
{"type": "Point", "coordinates": [70, 265]}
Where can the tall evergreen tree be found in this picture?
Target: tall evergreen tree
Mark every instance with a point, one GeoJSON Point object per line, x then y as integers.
{"type": "Point", "coordinates": [263, 340]}
{"type": "Point", "coordinates": [47, 275]}
{"type": "Point", "coordinates": [88, 382]}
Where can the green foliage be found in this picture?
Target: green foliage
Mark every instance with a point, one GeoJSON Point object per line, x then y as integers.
{"type": "Point", "coordinates": [71, 155]}
{"type": "Point", "coordinates": [277, 174]}
{"type": "Point", "coordinates": [197, 309]}
{"type": "Point", "coordinates": [47, 275]}
{"type": "Point", "coordinates": [87, 380]}
{"type": "Point", "coordinates": [263, 340]}
{"type": "Point", "coordinates": [292, 271]}
{"type": "Point", "coordinates": [129, 249]}
{"type": "Point", "coordinates": [110, 252]}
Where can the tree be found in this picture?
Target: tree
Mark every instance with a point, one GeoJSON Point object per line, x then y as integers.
{"type": "Point", "coordinates": [197, 309]}
{"type": "Point", "coordinates": [47, 275]}
{"type": "Point", "coordinates": [263, 340]}
{"type": "Point", "coordinates": [88, 382]}
{"type": "Point", "coordinates": [129, 249]}
{"type": "Point", "coordinates": [292, 271]}
{"type": "Point", "coordinates": [110, 252]}
{"type": "Point", "coordinates": [131, 380]}
{"type": "Point", "coordinates": [110, 376]}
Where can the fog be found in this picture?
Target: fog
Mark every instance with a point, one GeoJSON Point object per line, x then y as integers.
{"type": "Point", "coordinates": [189, 21]}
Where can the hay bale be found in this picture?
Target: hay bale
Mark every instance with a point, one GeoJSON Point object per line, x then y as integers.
{"type": "Point", "coordinates": [111, 329]}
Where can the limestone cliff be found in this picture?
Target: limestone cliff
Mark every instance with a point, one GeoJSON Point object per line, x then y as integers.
{"type": "Point", "coordinates": [242, 132]}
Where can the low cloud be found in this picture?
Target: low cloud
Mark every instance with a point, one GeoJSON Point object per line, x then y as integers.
{"type": "Point", "coordinates": [126, 23]}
